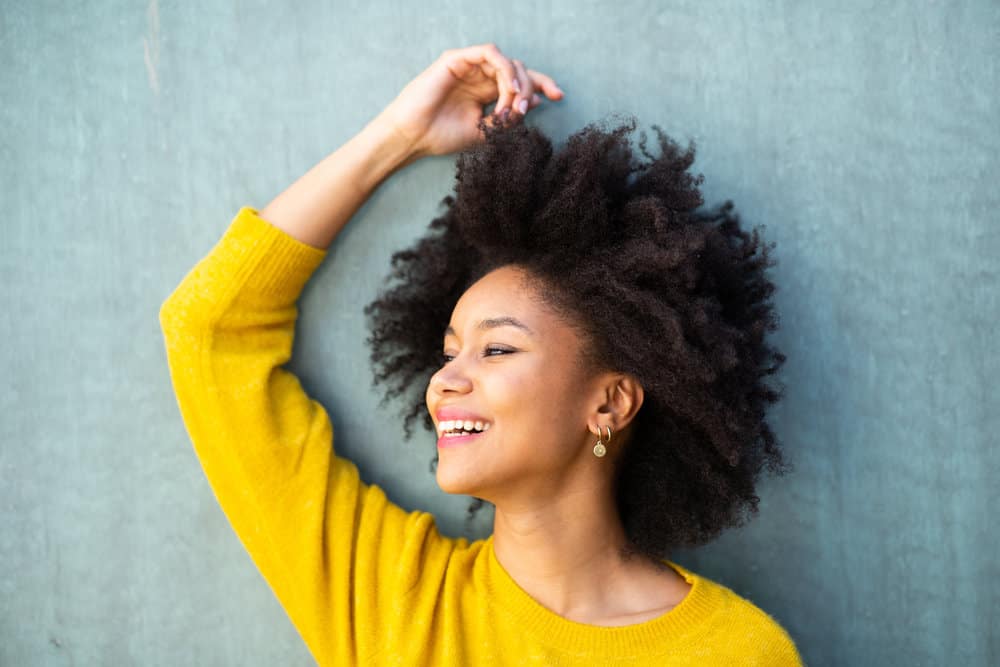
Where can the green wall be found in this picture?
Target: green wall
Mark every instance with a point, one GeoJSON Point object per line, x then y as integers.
{"type": "Point", "coordinates": [863, 135]}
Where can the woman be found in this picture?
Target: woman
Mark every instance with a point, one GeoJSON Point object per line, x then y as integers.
{"type": "Point", "coordinates": [602, 340]}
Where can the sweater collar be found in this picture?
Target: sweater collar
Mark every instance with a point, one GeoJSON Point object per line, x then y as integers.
{"type": "Point", "coordinates": [676, 628]}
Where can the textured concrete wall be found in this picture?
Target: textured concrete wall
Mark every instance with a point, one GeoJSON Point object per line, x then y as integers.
{"type": "Point", "coordinates": [864, 136]}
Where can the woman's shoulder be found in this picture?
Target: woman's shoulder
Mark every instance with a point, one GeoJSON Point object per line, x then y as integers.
{"type": "Point", "coordinates": [743, 622]}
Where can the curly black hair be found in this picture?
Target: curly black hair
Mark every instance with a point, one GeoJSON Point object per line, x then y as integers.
{"type": "Point", "coordinates": [676, 297]}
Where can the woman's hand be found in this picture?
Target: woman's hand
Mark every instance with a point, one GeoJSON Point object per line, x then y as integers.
{"type": "Point", "coordinates": [438, 112]}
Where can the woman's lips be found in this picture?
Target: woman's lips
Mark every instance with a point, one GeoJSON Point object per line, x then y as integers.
{"type": "Point", "coordinates": [450, 440]}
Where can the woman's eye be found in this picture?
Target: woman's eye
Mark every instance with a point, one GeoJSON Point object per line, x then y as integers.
{"type": "Point", "coordinates": [445, 358]}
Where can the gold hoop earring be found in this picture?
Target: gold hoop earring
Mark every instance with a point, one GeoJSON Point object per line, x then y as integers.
{"type": "Point", "coordinates": [599, 449]}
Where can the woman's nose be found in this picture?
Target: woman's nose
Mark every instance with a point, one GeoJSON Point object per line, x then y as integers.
{"type": "Point", "coordinates": [450, 378]}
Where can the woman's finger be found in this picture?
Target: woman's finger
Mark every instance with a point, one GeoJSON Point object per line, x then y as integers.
{"type": "Point", "coordinates": [526, 88]}
{"type": "Point", "coordinates": [546, 84]}
{"type": "Point", "coordinates": [493, 62]}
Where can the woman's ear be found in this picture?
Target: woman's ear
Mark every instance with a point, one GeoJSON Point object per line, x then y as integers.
{"type": "Point", "coordinates": [620, 397]}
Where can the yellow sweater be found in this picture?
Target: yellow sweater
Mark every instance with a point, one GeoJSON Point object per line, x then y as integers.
{"type": "Point", "coordinates": [363, 581]}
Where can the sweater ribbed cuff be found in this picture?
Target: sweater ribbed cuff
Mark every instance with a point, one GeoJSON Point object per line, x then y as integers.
{"type": "Point", "coordinates": [281, 264]}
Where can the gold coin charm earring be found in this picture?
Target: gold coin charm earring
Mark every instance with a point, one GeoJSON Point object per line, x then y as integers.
{"type": "Point", "coordinates": [599, 449]}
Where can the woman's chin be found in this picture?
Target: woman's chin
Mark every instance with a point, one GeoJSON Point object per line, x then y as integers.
{"type": "Point", "coordinates": [452, 480]}
{"type": "Point", "coordinates": [453, 485]}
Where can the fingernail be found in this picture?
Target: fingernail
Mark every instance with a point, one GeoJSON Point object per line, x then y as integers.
{"type": "Point", "coordinates": [523, 106]}
{"type": "Point", "coordinates": [517, 85]}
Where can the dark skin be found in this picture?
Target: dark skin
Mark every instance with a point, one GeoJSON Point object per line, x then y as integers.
{"type": "Point", "coordinates": [556, 529]}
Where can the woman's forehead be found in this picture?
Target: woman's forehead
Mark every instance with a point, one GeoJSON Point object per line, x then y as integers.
{"type": "Point", "coordinates": [503, 297]}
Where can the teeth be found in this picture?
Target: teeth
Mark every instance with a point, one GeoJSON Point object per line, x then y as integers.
{"type": "Point", "coordinates": [458, 425]}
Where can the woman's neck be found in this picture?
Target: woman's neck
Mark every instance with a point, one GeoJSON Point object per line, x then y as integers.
{"type": "Point", "coordinates": [567, 555]}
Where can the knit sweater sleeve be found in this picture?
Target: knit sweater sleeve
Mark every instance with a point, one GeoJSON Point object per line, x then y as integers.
{"type": "Point", "coordinates": [336, 553]}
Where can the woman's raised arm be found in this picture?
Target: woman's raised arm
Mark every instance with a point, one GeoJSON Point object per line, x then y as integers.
{"type": "Point", "coordinates": [435, 114]}
{"type": "Point", "coordinates": [317, 206]}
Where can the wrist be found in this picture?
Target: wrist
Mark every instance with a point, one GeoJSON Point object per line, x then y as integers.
{"type": "Point", "coordinates": [391, 149]}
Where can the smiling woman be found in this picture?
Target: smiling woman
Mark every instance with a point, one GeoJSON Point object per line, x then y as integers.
{"type": "Point", "coordinates": [563, 296]}
{"type": "Point", "coordinates": [583, 294]}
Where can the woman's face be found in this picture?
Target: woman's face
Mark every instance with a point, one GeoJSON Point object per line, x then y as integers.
{"type": "Point", "coordinates": [525, 382]}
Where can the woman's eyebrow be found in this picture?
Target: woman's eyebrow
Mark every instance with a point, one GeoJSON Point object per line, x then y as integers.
{"type": "Point", "coordinates": [494, 322]}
